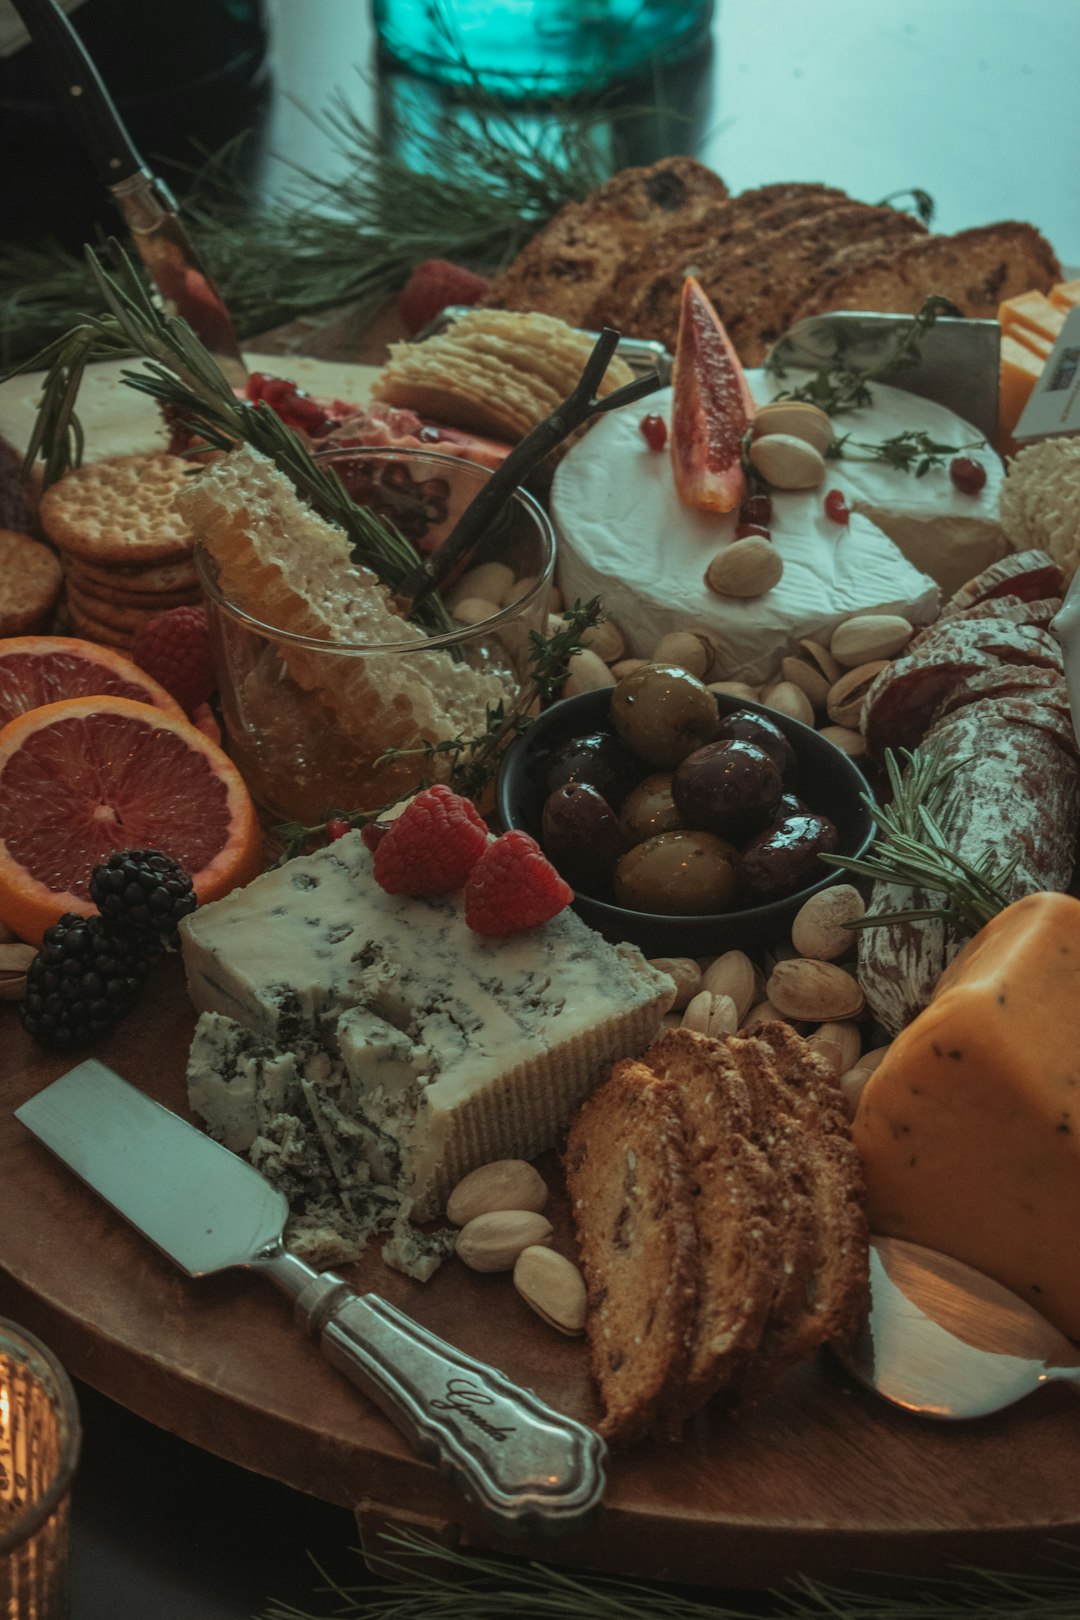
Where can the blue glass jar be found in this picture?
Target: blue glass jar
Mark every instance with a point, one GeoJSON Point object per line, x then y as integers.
{"type": "Point", "coordinates": [538, 47]}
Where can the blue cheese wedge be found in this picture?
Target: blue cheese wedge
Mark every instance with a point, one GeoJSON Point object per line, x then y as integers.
{"type": "Point", "coordinates": [412, 1048]}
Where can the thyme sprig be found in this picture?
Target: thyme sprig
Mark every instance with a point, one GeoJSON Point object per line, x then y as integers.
{"type": "Point", "coordinates": [914, 848]}
{"type": "Point", "coordinates": [471, 761]}
{"type": "Point", "coordinates": [836, 386]}
{"type": "Point", "coordinates": [911, 451]}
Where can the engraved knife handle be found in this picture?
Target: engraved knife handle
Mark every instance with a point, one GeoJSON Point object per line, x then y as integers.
{"type": "Point", "coordinates": [524, 1464]}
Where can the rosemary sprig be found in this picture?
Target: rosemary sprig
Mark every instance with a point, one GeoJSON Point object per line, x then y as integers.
{"type": "Point", "coordinates": [913, 850]}
{"type": "Point", "coordinates": [836, 386]}
{"type": "Point", "coordinates": [473, 761]}
{"type": "Point", "coordinates": [471, 1586]}
{"type": "Point", "coordinates": [911, 451]}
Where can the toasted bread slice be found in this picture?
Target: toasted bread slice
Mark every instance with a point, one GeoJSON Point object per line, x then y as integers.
{"type": "Point", "coordinates": [739, 1248]}
{"type": "Point", "coordinates": [630, 1193]}
{"type": "Point", "coordinates": [976, 269]}
{"type": "Point", "coordinates": [570, 266]}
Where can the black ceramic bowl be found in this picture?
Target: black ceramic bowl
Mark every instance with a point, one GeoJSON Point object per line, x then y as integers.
{"type": "Point", "coordinates": [828, 780]}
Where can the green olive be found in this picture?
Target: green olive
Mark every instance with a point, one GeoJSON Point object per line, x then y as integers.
{"type": "Point", "coordinates": [685, 873]}
{"type": "Point", "coordinates": [649, 809]}
{"type": "Point", "coordinates": [662, 713]}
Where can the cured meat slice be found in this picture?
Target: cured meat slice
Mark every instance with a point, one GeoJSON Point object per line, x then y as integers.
{"type": "Point", "coordinates": [1028, 574]}
{"type": "Point", "coordinates": [1006, 609]}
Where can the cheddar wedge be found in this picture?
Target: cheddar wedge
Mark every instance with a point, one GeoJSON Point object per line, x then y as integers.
{"type": "Point", "coordinates": [1034, 311]}
{"type": "Point", "coordinates": [969, 1130]}
{"type": "Point", "coordinates": [1021, 369]}
{"type": "Point", "coordinates": [1065, 296]}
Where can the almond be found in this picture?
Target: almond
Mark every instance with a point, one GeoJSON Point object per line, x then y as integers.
{"type": "Point", "coordinates": [746, 568]}
{"type": "Point", "coordinates": [819, 929]}
{"type": "Point", "coordinates": [870, 635]}
{"type": "Point", "coordinates": [554, 1287]}
{"type": "Point", "coordinates": [786, 462]}
{"type": "Point", "coordinates": [823, 658]}
{"type": "Point", "coordinates": [808, 678]}
{"type": "Point", "coordinates": [588, 673]}
{"type": "Point", "coordinates": [606, 640]}
{"type": "Point", "coordinates": [491, 581]}
{"type": "Point", "coordinates": [735, 689]}
{"type": "Point", "coordinates": [687, 649]}
{"type": "Point", "coordinates": [733, 974]}
{"type": "Point", "coordinates": [839, 1044]}
{"type": "Point", "coordinates": [474, 609]}
{"type": "Point", "coordinates": [787, 698]}
{"type": "Point", "coordinates": [846, 738]}
{"type": "Point", "coordinates": [686, 976]}
{"type": "Point", "coordinates": [627, 666]}
{"type": "Point", "coordinates": [711, 1015]}
{"type": "Point", "coordinates": [15, 960]}
{"type": "Point", "coordinates": [799, 419]}
{"type": "Point", "coordinates": [818, 991]}
{"type": "Point", "coordinates": [846, 698]}
{"type": "Point", "coordinates": [493, 1242]}
{"type": "Point", "coordinates": [763, 1013]}
{"type": "Point", "coordinates": [502, 1184]}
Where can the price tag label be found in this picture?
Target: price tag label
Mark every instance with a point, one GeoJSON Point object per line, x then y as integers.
{"type": "Point", "coordinates": [1054, 405]}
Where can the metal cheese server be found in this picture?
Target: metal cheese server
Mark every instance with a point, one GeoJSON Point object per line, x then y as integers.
{"type": "Point", "coordinates": [525, 1465]}
{"type": "Point", "coordinates": [146, 203]}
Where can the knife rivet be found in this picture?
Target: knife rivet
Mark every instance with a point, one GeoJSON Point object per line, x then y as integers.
{"type": "Point", "coordinates": [75, 90]}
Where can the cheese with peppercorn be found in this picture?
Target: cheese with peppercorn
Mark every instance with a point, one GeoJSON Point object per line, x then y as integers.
{"type": "Point", "coordinates": [624, 536]}
{"type": "Point", "coordinates": [369, 1049]}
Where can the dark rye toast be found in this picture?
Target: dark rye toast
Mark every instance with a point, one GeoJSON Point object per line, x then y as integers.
{"type": "Point", "coordinates": [630, 1193]}
{"type": "Point", "coordinates": [735, 1188]}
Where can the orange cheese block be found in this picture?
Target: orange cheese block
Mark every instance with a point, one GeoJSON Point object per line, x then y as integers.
{"type": "Point", "coordinates": [1065, 296]}
{"type": "Point", "coordinates": [1021, 369]}
{"type": "Point", "coordinates": [1035, 341]}
{"type": "Point", "coordinates": [1034, 311]}
{"type": "Point", "coordinates": [969, 1129]}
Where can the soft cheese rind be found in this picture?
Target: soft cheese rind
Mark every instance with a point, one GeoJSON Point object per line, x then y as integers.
{"type": "Point", "coordinates": [448, 1048]}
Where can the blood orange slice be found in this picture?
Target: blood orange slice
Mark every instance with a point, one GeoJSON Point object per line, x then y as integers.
{"type": "Point", "coordinates": [87, 776]}
{"type": "Point", "coordinates": [45, 669]}
{"type": "Point", "coordinates": [713, 408]}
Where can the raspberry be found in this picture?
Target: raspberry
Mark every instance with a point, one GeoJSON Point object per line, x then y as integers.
{"type": "Point", "coordinates": [432, 846]}
{"type": "Point", "coordinates": [432, 286]}
{"type": "Point", "coordinates": [174, 648]}
{"type": "Point", "coordinates": [513, 886]}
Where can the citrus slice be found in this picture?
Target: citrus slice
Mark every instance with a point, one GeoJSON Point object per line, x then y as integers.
{"type": "Point", "coordinates": [712, 408]}
{"type": "Point", "coordinates": [45, 669]}
{"type": "Point", "coordinates": [87, 776]}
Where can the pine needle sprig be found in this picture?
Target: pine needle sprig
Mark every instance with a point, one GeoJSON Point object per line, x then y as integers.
{"type": "Point", "coordinates": [913, 849]}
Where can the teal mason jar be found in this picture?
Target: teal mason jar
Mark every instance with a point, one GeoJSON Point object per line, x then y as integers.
{"type": "Point", "coordinates": [538, 47]}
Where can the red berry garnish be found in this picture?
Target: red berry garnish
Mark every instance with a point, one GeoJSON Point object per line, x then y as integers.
{"type": "Point", "coordinates": [373, 832]}
{"type": "Point", "coordinates": [336, 828]}
{"type": "Point", "coordinates": [968, 475]}
{"type": "Point", "coordinates": [434, 284]}
{"type": "Point", "coordinates": [432, 846]}
{"type": "Point", "coordinates": [756, 509]}
{"type": "Point", "coordinates": [654, 431]}
{"type": "Point", "coordinates": [513, 886]}
{"type": "Point", "coordinates": [836, 506]}
{"type": "Point", "coordinates": [174, 648]}
{"type": "Point", "coordinates": [743, 531]}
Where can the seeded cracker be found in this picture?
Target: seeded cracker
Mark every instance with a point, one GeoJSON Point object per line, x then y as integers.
{"type": "Point", "coordinates": [30, 579]}
{"type": "Point", "coordinates": [119, 511]}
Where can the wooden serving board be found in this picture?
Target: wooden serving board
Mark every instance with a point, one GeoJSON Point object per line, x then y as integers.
{"type": "Point", "coordinates": [821, 1479]}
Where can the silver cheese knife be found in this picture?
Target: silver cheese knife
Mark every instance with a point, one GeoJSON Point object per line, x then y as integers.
{"type": "Point", "coordinates": [525, 1465]}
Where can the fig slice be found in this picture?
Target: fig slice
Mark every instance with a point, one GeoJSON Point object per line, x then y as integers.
{"type": "Point", "coordinates": [712, 410]}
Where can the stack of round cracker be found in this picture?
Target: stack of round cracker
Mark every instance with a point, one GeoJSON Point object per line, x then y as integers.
{"type": "Point", "coordinates": [127, 555]}
{"type": "Point", "coordinates": [494, 371]}
{"type": "Point", "coordinates": [30, 581]}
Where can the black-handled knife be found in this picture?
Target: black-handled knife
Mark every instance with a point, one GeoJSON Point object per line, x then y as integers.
{"type": "Point", "coordinates": [145, 201]}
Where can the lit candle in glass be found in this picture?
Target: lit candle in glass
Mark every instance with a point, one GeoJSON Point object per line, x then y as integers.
{"type": "Point", "coordinates": [39, 1449]}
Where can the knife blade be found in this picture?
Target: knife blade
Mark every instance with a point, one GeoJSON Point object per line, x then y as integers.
{"type": "Point", "coordinates": [525, 1465]}
{"type": "Point", "coordinates": [144, 200]}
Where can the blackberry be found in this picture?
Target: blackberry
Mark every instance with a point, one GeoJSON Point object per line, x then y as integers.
{"type": "Point", "coordinates": [142, 895]}
{"type": "Point", "coordinates": [81, 982]}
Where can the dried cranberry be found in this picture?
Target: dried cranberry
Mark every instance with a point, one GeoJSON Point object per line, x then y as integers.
{"type": "Point", "coordinates": [756, 509]}
{"type": "Point", "coordinates": [836, 506]}
{"type": "Point", "coordinates": [743, 531]}
{"type": "Point", "coordinates": [654, 431]}
{"type": "Point", "coordinates": [968, 475]}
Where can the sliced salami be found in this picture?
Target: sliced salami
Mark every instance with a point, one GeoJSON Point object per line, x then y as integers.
{"type": "Point", "coordinates": [1028, 574]}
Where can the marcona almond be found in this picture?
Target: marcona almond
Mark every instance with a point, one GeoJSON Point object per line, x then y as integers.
{"type": "Point", "coordinates": [493, 1242]}
{"type": "Point", "coordinates": [733, 974]}
{"type": "Point", "coordinates": [606, 640]}
{"type": "Point", "coordinates": [818, 991]}
{"type": "Point", "coordinates": [745, 568]}
{"type": "Point", "coordinates": [15, 959]}
{"type": "Point", "coordinates": [687, 649]}
{"type": "Point", "coordinates": [869, 635]}
{"type": "Point", "coordinates": [801, 419]}
{"type": "Point", "coordinates": [839, 1043]}
{"type": "Point", "coordinates": [474, 610]}
{"type": "Point", "coordinates": [786, 462]}
{"type": "Point", "coordinates": [846, 698]}
{"type": "Point", "coordinates": [711, 1015]}
{"type": "Point", "coordinates": [819, 929]}
{"type": "Point", "coordinates": [847, 739]}
{"type": "Point", "coordinates": [807, 677]}
{"type": "Point", "coordinates": [502, 1184]}
{"type": "Point", "coordinates": [736, 689]}
{"type": "Point", "coordinates": [823, 658]}
{"type": "Point", "coordinates": [491, 581]}
{"type": "Point", "coordinates": [787, 698]}
{"type": "Point", "coordinates": [588, 673]}
{"type": "Point", "coordinates": [554, 1287]}
{"type": "Point", "coordinates": [627, 666]}
{"type": "Point", "coordinates": [684, 973]}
